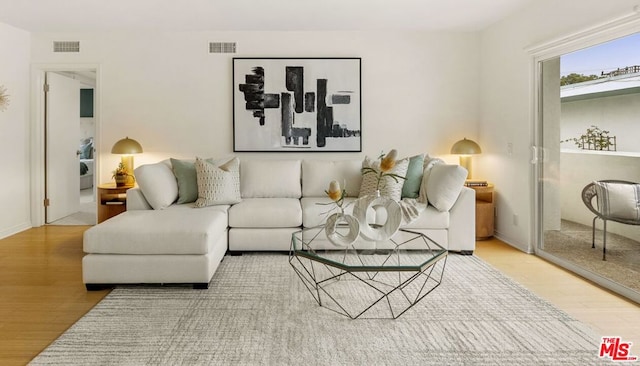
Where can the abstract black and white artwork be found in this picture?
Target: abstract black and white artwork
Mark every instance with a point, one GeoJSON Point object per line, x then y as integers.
{"type": "Point", "coordinates": [296, 104]}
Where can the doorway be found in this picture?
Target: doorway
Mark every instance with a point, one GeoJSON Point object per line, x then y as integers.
{"type": "Point", "coordinates": [67, 118]}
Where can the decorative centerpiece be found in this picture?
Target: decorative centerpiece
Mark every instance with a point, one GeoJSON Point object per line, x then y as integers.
{"type": "Point", "coordinates": [376, 201]}
{"type": "Point", "coordinates": [340, 219]}
{"type": "Point", "coordinates": [357, 223]}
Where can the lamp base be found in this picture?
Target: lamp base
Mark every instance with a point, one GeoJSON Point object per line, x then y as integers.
{"type": "Point", "coordinates": [127, 162]}
{"type": "Point", "coordinates": [465, 162]}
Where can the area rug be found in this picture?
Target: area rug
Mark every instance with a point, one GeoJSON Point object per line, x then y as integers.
{"type": "Point", "coordinates": [257, 312]}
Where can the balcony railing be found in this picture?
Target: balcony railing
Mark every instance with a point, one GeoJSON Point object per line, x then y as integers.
{"type": "Point", "coordinates": [621, 71]}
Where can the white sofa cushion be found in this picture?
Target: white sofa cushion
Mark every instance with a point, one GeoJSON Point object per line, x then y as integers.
{"type": "Point", "coordinates": [136, 200]}
{"type": "Point", "coordinates": [158, 184]}
{"type": "Point", "coordinates": [317, 174]}
{"type": "Point", "coordinates": [444, 185]}
{"type": "Point", "coordinates": [270, 178]}
{"type": "Point", "coordinates": [266, 212]}
{"type": "Point", "coordinates": [191, 205]}
{"type": "Point", "coordinates": [430, 218]}
{"type": "Point", "coordinates": [218, 185]}
{"type": "Point", "coordinates": [173, 231]}
{"type": "Point", "coordinates": [260, 239]}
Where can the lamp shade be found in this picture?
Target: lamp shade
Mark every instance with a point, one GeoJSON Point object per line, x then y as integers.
{"type": "Point", "coordinates": [465, 147]}
{"type": "Point", "coordinates": [126, 146]}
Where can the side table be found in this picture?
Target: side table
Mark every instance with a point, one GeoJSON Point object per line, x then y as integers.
{"type": "Point", "coordinates": [111, 200]}
{"type": "Point", "coordinates": [485, 204]}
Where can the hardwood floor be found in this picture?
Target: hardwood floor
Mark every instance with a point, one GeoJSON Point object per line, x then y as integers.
{"type": "Point", "coordinates": [42, 295]}
{"type": "Point", "coordinates": [41, 290]}
{"type": "Point", "coordinates": [607, 313]}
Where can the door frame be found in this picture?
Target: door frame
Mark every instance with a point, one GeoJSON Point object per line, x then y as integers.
{"type": "Point", "coordinates": [37, 185]}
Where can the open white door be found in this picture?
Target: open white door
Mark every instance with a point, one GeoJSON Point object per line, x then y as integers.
{"type": "Point", "coordinates": [62, 143]}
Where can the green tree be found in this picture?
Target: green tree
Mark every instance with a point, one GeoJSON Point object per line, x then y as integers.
{"type": "Point", "coordinates": [574, 78]}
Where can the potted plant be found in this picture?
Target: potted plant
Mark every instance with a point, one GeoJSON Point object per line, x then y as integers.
{"type": "Point", "coordinates": [121, 175]}
{"type": "Point", "coordinates": [594, 139]}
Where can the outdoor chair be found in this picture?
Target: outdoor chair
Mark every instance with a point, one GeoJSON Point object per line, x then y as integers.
{"type": "Point", "coordinates": [617, 200]}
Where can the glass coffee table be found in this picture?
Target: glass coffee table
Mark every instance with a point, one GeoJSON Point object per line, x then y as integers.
{"type": "Point", "coordinates": [368, 279]}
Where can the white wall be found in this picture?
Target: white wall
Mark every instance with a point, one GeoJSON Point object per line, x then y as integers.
{"type": "Point", "coordinates": [14, 131]}
{"type": "Point", "coordinates": [616, 114]}
{"type": "Point", "coordinates": [507, 101]}
{"type": "Point", "coordinates": [419, 90]}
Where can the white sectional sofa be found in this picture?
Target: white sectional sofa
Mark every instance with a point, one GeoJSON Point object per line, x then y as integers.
{"type": "Point", "coordinates": [159, 241]}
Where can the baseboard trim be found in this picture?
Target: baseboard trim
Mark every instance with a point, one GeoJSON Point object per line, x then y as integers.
{"type": "Point", "coordinates": [502, 238]}
{"type": "Point", "coordinates": [15, 229]}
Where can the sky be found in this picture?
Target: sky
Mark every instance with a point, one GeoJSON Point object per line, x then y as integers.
{"type": "Point", "coordinates": [605, 57]}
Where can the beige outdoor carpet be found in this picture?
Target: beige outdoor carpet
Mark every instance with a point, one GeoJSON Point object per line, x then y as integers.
{"type": "Point", "coordinates": [573, 244]}
{"type": "Point", "coordinates": [258, 312]}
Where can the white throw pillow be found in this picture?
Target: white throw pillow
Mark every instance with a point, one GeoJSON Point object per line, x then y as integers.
{"type": "Point", "coordinates": [158, 184]}
{"type": "Point", "coordinates": [618, 200]}
{"type": "Point", "coordinates": [444, 185]}
{"type": "Point", "coordinates": [217, 185]}
{"type": "Point", "coordinates": [389, 187]}
{"type": "Point", "coordinates": [429, 163]}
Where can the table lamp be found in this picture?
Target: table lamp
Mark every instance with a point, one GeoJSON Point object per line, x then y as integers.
{"type": "Point", "coordinates": [465, 148]}
{"type": "Point", "coordinates": [127, 147]}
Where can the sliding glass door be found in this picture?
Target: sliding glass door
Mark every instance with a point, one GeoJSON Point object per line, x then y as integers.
{"type": "Point", "coordinates": [586, 131]}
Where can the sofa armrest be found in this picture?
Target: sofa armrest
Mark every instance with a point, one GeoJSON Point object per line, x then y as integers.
{"type": "Point", "coordinates": [462, 222]}
{"type": "Point", "coordinates": [136, 200]}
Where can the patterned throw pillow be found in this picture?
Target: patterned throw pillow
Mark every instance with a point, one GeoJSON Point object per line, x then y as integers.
{"type": "Point", "coordinates": [388, 186]}
{"type": "Point", "coordinates": [618, 200]}
{"type": "Point", "coordinates": [218, 185]}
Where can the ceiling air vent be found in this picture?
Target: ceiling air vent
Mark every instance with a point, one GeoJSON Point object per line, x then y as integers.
{"type": "Point", "coordinates": [222, 47]}
{"type": "Point", "coordinates": [66, 46]}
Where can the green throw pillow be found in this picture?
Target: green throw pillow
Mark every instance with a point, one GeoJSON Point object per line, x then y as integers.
{"type": "Point", "coordinates": [411, 186]}
{"type": "Point", "coordinates": [185, 172]}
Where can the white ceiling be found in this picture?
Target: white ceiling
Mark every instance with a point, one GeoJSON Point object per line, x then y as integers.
{"type": "Point", "coordinates": [254, 15]}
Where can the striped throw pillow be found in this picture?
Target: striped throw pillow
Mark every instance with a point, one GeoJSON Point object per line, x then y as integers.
{"type": "Point", "coordinates": [618, 200]}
